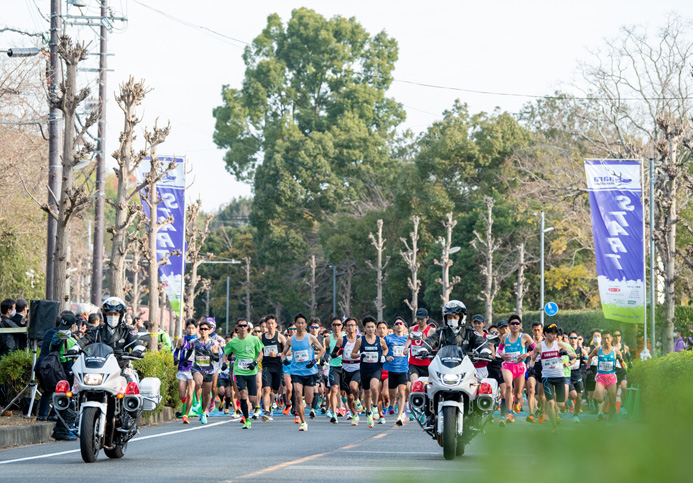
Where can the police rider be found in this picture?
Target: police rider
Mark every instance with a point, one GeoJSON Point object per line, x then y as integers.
{"type": "Point", "coordinates": [454, 332]}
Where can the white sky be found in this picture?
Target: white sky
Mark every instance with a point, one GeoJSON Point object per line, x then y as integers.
{"type": "Point", "coordinates": [527, 47]}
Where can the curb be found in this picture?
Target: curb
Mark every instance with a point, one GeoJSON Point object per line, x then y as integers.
{"type": "Point", "coordinates": [41, 432]}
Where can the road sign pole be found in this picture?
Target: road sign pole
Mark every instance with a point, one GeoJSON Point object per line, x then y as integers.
{"type": "Point", "coordinates": [541, 242]}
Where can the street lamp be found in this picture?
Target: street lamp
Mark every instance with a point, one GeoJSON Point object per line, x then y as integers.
{"type": "Point", "coordinates": [541, 242]}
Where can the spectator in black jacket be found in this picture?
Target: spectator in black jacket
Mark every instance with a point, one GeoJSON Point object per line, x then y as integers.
{"type": "Point", "coordinates": [21, 318]}
{"type": "Point", "coordinates": [8, 342]}
{"type": "Point", "coordinates": [45, 403]}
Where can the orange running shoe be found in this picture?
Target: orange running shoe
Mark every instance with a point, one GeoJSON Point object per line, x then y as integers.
{"type": "Point", "coordinates": [186, 420]}
{"type": "Point", "coordinates": [530, 419]}
{"type": "Point", "coordinates": [517, 407]}
{"type": "Point", "coordinates": [286, 411]}
{"type": "Point", "coordinates": [542, 418]}
{"type": "Point", "coordinates": [509, 418]}
{"type": "Point", "coordinates": [297, 420]}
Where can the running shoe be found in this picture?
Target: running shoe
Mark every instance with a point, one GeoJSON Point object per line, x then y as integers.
{"type": "Point", "coordinates": [237, 415]}
{"type": "Point", "coordinates": [355, 420]}
{"type": "Point", "coordinates": [286, 411]}
{"type": "Point", "coordinates": [196, 408]}
{"type": "Point", "coordinates": [576, 419]}
{"type": "Point", "coordinates": [390, 410]}
{"type": "Point", "coordinates": [400, 421]}
{"type": "Point", "coordinates": [517, 407]}
{"type": "Point", "coordinates": [203, 418]}
{"type": "Point", "coordinates": [256, 413]}
{"type": "Point", "coordinates": [212, 406]}
{"type": "Point", "coordinates": [329, 414]}
{"type": "Point", "coordinates": [359, 406]}
{"type": "Point", "coordinates": [274, 405]}
{"type": "Point", "coordinates": [411, 416]}
{"type": "Point", "coordinates": [369, 420]}
{"type": "Point", "coordinates": [381, 421]}
{"type": "Point", "coordinates": [542, 418]}
{"type": "Point", "coordinates": [303, 427]}
{"type": "Point", "coordinates": [510, 418]}
{"type": "Point", "coordinates": [186, 420]}
{"type": "Point", "coordinates": [312, 414]}
{"type": "Point", "coordinates": [530, 419]}
{"type": "Point", "coordinates": [323, 410]}
{"type": "Point", "coordinates": [267, 417]}
{"type": "Point", "coordinates": [334, 420]}
{"type": "Point", "coordinates": [246, 425]}
{"type": "Point", "coordinates": [502, 422]}
{"type": "Point", "coordinates": [242, 420]}
{"type": "Point", "coordinates": [297, 420]}
{"type": "Point", "coordinates": [341, 413]}
{"type": "Point", "coordinates": [226, 411]}
{"type": "Point", "coordinates": [349, 416]}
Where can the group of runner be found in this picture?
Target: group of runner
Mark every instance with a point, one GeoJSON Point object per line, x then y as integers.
{"type": "Point", "coordinates": [366, 368]}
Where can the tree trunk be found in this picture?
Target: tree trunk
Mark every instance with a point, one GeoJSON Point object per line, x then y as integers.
{"type": "Point", "coordinates": [410, 258]}
{"type": "Point", "coordinates": [247, 288]}
{"type": "Point", "coordinates": [379, 245]}
{"type": "Point", "coordinates": [520, 285]}
{"type": "Point", "coordinates": [345, 292]}
{"type": "Point", "coordinates": [445, 263]}
{"type": "Point", "coordinates": [313, 287]}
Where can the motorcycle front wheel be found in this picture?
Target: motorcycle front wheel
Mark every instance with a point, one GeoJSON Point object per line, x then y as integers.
{"type": "Point", "coordinates": [117, 452]}
{"type": "Point", "coordinates": [449, 432]}
{"type": "Point", "coordinates": [89, 441]}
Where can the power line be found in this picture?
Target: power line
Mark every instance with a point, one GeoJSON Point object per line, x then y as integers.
{"type": "Point", "coordinates": [204, 29]}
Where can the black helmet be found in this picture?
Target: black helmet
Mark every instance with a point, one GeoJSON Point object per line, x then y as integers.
{"type": "Point", "coordinates": [454, 307]}
{"type": "Point", "coordinates": [114, 304]}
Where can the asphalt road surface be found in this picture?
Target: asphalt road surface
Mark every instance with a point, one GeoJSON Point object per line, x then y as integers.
{"type": "Point", "coordinates": [276, 451]}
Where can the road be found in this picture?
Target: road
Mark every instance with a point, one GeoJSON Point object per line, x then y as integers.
{"type": "Point", "coordinates": [276, 451]}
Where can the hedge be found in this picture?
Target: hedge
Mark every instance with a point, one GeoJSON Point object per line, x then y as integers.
{"type": "Point", "coordinates": [160, 364]}
{"type": "Point", "coordinates": [15, 372]}
{"type": "Point", "coordinates": [665, 382]}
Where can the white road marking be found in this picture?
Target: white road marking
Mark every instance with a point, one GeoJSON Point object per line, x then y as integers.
{"type": "Point", "coordinates": [29, 458]}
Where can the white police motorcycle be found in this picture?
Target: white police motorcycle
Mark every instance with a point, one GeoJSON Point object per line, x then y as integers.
{"type": "Point", "coordinates": [460, 404]}
{"type": "Point", "coordinates": [109, 407]}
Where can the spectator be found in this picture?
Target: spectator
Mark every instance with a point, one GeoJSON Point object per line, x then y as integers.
{"type": "Point", "coordinates": [46, 397]}
{"type": "Point", "coordinates": [21, 318]}
{"type": "Point", "coordinates": [163, 339]}
{"type": "Point", "coordinates": [68, 322]}
{"type": "Point", "coordinates": [94, 320]}
{"type": "Point", "coordinates": [679, 344]}
{"type": "Point", "coordinates": [8, 342]}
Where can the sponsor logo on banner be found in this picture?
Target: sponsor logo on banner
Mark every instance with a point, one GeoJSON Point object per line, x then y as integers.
{"type": "Point", "coordinates": [171, 189]}
{"type": "Point", "coordinates": [617, 225]}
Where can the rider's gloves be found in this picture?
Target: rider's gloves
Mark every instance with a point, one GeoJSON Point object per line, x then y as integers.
{"type": "Point", "coordinates": [311, 364]}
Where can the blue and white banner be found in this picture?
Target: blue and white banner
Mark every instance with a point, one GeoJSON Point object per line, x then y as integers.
{"type": "Point", "coordinates": [615, 191]}
{"type": "Point", "coordinates": [171, 190]}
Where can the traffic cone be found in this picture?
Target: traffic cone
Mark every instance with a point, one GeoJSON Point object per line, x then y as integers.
{"type": "Point", "coordinates": [618, 401]}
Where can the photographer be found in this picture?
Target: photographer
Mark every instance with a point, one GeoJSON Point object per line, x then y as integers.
{"type": "Point", "coordinates": [61, 343]}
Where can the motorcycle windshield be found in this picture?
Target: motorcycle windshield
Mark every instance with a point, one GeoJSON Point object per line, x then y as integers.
{"type": "Point", "coordinates": [451, 356]}
{"type": "Point", "coordinates": [95, 355]}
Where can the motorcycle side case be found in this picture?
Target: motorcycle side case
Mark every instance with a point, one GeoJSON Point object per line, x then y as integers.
{"type": "Point", "coordinates": [150, 390]}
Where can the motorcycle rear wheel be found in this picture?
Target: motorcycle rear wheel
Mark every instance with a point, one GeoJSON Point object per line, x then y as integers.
{"type": "Point", "coordinates": [117, 452]}
{"type": "Point", "coordinates": [89, 441]}
{"type": "Point", "coordinates": [449, 432]}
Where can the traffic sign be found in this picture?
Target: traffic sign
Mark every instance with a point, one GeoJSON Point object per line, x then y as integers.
{"type": "Point", "coordinates": [551, 309]}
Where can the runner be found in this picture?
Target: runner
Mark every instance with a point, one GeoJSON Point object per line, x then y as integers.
{"type": "Point", "coordinates": [591, 374]}
{"type": "Point", "coordinates": [513, 349]}
{"type": "Point", "coordinates": [186, 383]}
{"type": "Point", "coordinates": [478, 326]}
{"type": "Point", "coordinates": [351, 376]}
{"type": "Point", "coordinates": [577, 387]}
{"type": "Point", "coordinates": [622, 371]}
{"type": "Point", "coordinates": [372, 349]}
{"type": "Point", "coordinates": [303, 366]}
{"type": "Point", "coordinates": [607, 356]}
{"type": "Point", "coordinates": [418, 367]}
{"type": "Point", "coordinates": [553, 379]}
{"type": "Point", "coordinates": [319, 391]}
{"type": "Point", "coordinates": [217, 365]}
{"type": "Point", "coordinates": [224, 388]}
{"type": "Point", "coordinates": [336, 372]}
{"type": "Point", "coordinates": [384, 400]}
{"type": "Point", "coordinates": [397, 366]}
{"type": "Point", "coordinates": [205, 353]}
{"type": "Point", "coordinates": [534, 390]}
{"type": "Point", "coordinates": [273, 344]}
{"type": "Point", "coordinates": [248, 352]}
{"type": "Point", "coordinates": [288, 386]}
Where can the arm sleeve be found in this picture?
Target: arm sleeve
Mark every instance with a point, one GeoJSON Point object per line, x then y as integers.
{"type": "Point", "coordinates": [433, 340]}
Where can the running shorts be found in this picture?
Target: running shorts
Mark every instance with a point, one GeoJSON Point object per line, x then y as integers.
{"type": "Point", "coordinates": [335, 377]}
{"type": "Point", "coordinates": [606, 380]}
{"type": "Point", "coordinates": [206, 377]}
{"type": "Point", "coordinates": [420, 371]}
{"type": "Point", "coordinates": [517, 369]}
{"type": "Point", "coordinates": [308, 380]}
{"type": "Point", "coordinates": [396, 379]}
{"type": "Point", "coordinates": [590, 382]}
{"type": "Point", "coordinates": [554, 388]}
{"type": "Point", "coordinates": [366, 378]}
{"type": "Point", "coordinates": [184, 376]}
{"type": "Point", "coordinates": [348, 378]}
{"type": "Point", "coordinates": [384, 375]}
{"type": "Point", "coordinates": [247, 382]}
{"type": "Point", "coordinates": [223, 382]}
{"type": "Point", "coordinates": [621, 374]}
{"type": "Point", "coordinates": [577, 385]}
{"type": "Point", "coordinates": [272, 377]}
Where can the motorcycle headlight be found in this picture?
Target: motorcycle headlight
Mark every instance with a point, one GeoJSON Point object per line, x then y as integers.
{"type": "Point", "coordinates": [93, 379]}
{"type": "Point", "coordinates": [450, 379]}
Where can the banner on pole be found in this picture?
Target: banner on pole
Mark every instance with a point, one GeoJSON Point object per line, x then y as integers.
{"type": "Point", "coordinates": [615, 191]}
{"type": "Point", "coordinates": [171, 190]}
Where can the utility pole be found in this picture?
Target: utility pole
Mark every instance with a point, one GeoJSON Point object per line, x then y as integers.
{"type": "Point", "coordinates": [228, 281]}
{"type": "Point", "coordinates": [54, 145]}
{"type": "Point", "coordinates": [97, 261]}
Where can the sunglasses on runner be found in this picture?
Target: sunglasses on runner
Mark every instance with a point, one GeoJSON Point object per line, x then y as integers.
{"type": "Point", "coordinates": [242, 326]}
{"type": "Point", "coordinates": [257, 331]}
{"type": "Point", "coordinates": [617, 335]}
{"type": "Point", "coordinates": [314, 326]}
{"type": "Point", "coordinates": [399, 323]}
{"type": "Point", "coordinates": [204, 328]}
{"type": "Point", "coordinates": [573, 337]}
{"type": "Point", "coordinates": [336, 325]}
{"type": "Point", "coordinates": [292, 328]}
{"type": "Point", "coordinates": [514, 323]}
{"type": "Point", "coordinates": [493, 332]}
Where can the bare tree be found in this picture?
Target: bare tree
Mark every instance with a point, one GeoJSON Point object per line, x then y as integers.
{"type": "Point", "coordinates": [344, 301]}
{"type": "Point", "coordinates": [487, 247]}
{"type": "Point", "coordinates": [410, 258]}
{"type": "Point", "coordinates": [196, 237]}
{"type": "Point", "coordinates": [521, 285]}
{"type": "Point", "coordinates": [379, 245]}
{"type": "Point", "coordinates": [247, 287]}
{"type": "Point", "coordinates": [138, 275]}
{"type": "Point", "coordinates": [643, 103]}
{"type": "Point", "coordinates": [445, 262]}
{"type": "Point", "coordinates": [152, 199]}
{"type": "Point", "coordinates": [313, 287]}
{"type": "Point", "coordinates": [130, 96]}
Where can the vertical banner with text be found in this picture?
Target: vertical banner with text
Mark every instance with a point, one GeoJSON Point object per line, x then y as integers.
{"type": "Point", "coordinates": [171, 190]}
{"type": "Point", "coordinates": [615, 191]}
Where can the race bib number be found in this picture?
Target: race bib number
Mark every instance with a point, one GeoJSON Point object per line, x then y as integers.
{"type": "Point", "coordinates": [269, 349]}
{"type": "Point", "coordinates": [552, 364]}
{"type": "Point", "coordinates": [606, 366]}
{"type": "Point", "coordinates": [370, 357]}
{"type": "Point", "coordinates": [514, 356]}
{"type": "Point", "coordinates": [244, 363]}
{"type": "Point", "coordinates": [576, 365]}
{"type": "Point", "coordinates": [202, 361]}
{"type": "Point", "coordinates": [301, 356]}
{"type": "Point", "coordinates": [398, 350]}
